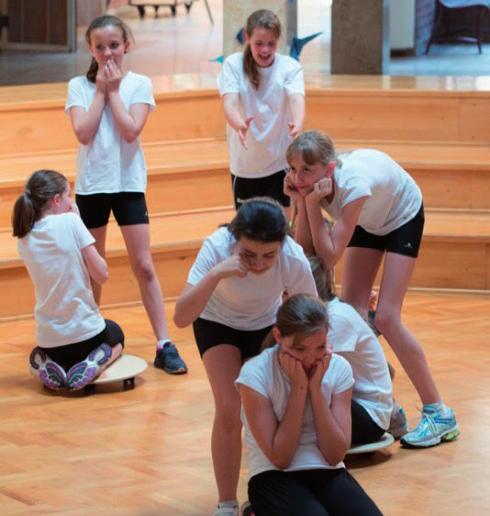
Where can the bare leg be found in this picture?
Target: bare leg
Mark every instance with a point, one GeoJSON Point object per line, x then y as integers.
{"type": "Point", "coordinates": [100, 238]}
{"type": "Point", "coordinates": [222, 365]}
{"type": "Point", "coordinates": [358, 275]}
{"type": "Point", "coordinates": [396, 277]}
{"type": "Point", "coordinates": [137, 239]}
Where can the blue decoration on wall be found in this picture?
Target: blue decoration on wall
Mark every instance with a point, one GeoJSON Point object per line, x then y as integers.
{"type": "Point", "coordinates": [298, 43]}
{"type": "Point", "coordinates": [240, 36]}
{"type": "Point", "coordinates": [218, 59]}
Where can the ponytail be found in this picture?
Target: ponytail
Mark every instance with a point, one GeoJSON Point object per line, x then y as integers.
{"type": "Point", "coordinates": [24, 215]}
{"type": "Point", "coordinates": [250, 67]}
{"type": "Point", "coordinates": [92, 71]}
{"type": "Point", "coordinates": [261, 19]}
{"type": "Point", "coordinates": [40, 188]}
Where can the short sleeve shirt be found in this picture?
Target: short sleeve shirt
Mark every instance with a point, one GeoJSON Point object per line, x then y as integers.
{"type": "Point", "coordinates": [109, 163]}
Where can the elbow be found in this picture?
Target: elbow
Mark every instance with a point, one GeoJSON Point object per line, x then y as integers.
{"type": "Point", "coordinates": [179, 319]}
{"type": "Point", "coordinates": [130, 138]}
{"type": "Point", "coordinates": [334, 456]}
{"type": "Point", "coordinates": [82, 138]}
{"type": "Point", "coordinates": [280, 461]}
{"type": "Point", "coordinates": [130, 135]}
{"type": "Point", "coordinates": [101, 277]}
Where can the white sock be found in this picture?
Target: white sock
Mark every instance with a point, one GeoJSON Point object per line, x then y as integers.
{"type": "Point", "coordinates": [232, 504]}
{"type": "Point", "coordinates": [162, 343]}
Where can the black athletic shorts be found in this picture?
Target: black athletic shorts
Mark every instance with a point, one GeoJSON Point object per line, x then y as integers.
{"type": "Point", "coordinates": [129, 208]}
{"type": "Point", "coordinates": [209, 334]}
{"type": "Point", "coordinates": [403, 240]}
{"type": "Point", "coordinates": [70, 354]}
{"type": "Point", "coordinates": [270, 186]}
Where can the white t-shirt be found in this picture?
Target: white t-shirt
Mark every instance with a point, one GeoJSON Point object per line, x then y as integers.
{"type": "Point", "coordinates": [349, 335]}
{"type": "Point", "coordinates": [110, 164]}
{"type": "Point", "coordinates": [268, 136]}
{"type": "Point", "coordinates": [264, 375]}
{"type": "Point", "coordinates": [250, 303]}
{"type": "Point", "coordinates": [393, 196]}
{"type": "Point", "coordinates": [65, 310]}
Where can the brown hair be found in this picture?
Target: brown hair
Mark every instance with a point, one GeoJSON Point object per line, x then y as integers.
{"type": "Point", "coordinates": [40, 188]}
{"type": "Point", "coordinates": [261, 219]}
{"type": "Point", "coordinates": [300, 316]}
{"type": "Point", "coordinates": [98, 23]}
{"type": "Point", "coordinates": [314, 147]}
{"type": "Point", "coordinates": [262, 19]}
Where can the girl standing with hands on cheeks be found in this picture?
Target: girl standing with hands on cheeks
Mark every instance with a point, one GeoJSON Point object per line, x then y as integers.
{"type": "Point", "coordinates": [232, 295]}
{"type": "Point", "coordinates": [74, 342]}
{"type": "Point", "coordinates": [378, 212]}
{"type": "Point", "coordinates": [108, 109]}
{"type": "Point", "coordinates": [263, 99]}
{"type": "Point", "coordinates": [297, 417]}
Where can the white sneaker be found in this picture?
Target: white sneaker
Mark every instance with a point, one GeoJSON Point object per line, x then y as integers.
{"type": "Point", "coordinates": [227, 509]}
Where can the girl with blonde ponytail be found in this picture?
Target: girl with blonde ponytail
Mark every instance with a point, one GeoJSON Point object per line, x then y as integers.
{"type": "Point", "coordinates": [263, 99]}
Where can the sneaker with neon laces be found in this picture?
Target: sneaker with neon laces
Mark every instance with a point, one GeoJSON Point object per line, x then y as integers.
{"type": "Point", "coordinates": [50, 373]}
{"type": "Point", "coordinates": [398, 422]}
{"type": "Point", "coordinates": [227, 509]}
{"type": "Point", "coordinates": [168, 359]}
{"type": "Point", "coordinates": [433, 429]}
{"type": "Point", "coordinates": [84, 372]}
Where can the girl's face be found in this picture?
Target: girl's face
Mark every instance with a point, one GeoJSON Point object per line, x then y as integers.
{"type": "Point", "coordinates": [107, 43]}
{"type": "Point", "coordinates": [263, 44]}
{"type": "Point", "coordinates": [258, 256]}
{"type": "Point", "coordinates": [308, 351]}
{"type": "Point", "coordinates": [62, 203]}
{"type": "Point", "coordinates": [304, 176]}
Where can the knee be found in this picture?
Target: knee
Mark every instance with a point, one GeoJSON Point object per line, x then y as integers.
{"type": "Point", "coordinates": [386, 320]}
{"type": "Point", "coordinates": [228, 416]}
{"type": "Point", "coordinates": [144, 270]}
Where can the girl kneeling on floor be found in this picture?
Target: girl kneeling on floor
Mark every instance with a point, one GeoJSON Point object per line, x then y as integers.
{"type": "Point", "coordinates": [74, 342]}
{"type": "Point", "coordinates": [296, 400]}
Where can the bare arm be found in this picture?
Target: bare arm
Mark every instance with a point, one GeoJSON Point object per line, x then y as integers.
{"type": "Point", "coordinates": [302, 233]}
{"type": "Point", "coordinates": [129, 123]}
{"type": "Point", "coordinates": [86, 123]}
{"type": "Point", "coordinates": [278, 440]}
{"type": "Point", "coordinates": [332, 424]}
{"type": "Point", "coordinates": [297, 105]}
{"type": "Point", "coordinates": [234, 117]}
{"type": "Point", "coordinates": [330, 243]}
{"type": "Point", "coordinates": [96, 265]}
{"type": "Point", "coordinates": [194, 298]}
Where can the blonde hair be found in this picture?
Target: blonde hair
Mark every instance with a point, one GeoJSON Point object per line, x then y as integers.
{"type": "Point", "coordinates": [313, 147]}
{"type": "Point", "coordinates": [263, 19]}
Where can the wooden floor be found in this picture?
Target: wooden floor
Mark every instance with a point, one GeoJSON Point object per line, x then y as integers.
{"type": "Point", "coordinates": [146, 451]}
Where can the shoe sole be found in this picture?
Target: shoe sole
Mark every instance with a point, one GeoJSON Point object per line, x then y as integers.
{"type": "Point", "coordinates": [448, 436]}
{"type": "Point", "coordinates": [52, 376]}
{"type": "Point", "coordinates": [85, 372]}
{"type": "Point", "coordinates": [181, 370]}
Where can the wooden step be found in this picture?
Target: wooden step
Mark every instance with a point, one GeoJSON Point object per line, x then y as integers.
{"type": "Point", "coordinates": [443, 109]}
{"type": "Point", "coordinates": [188, 175]}
{"type": "Point", "coordinates": [455, 254]}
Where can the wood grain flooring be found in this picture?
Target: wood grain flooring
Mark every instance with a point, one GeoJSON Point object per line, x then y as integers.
{"type": "Point", "coordinates": [146, 451]}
